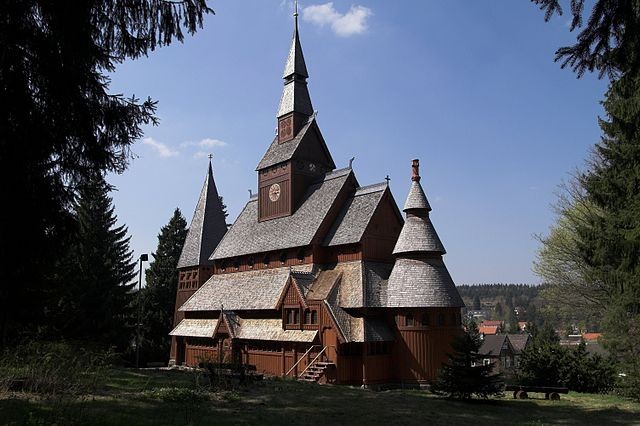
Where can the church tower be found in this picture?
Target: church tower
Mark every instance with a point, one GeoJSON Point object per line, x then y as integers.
{"type": "Point", "coordinates": [424, 297]}
{"type": "Point", "coordinates": [207, 228]}
{"type": "Point", "coordinates": [298, 155]}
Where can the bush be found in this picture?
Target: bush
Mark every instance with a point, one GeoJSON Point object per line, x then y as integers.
{"type": "Point", "coordinates": [549, 364]}
{"type": "Point", "coordinates": [52, 368]}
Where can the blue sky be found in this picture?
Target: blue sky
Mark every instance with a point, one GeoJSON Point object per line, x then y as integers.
{"type": "Point", "coordinates": [468, 87]}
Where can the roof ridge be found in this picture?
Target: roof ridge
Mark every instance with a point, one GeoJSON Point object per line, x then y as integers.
{"type": "Point", "coordinates": [363, 190]}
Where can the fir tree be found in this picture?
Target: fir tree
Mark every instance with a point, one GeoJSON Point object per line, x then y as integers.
{"type": "Point", "coordinates": [465, 374]}
{"type": "Point", "coordinates": [60, 125]}
{"type": "Point", "coordinates": [159, 294]}
{"type": "Point", "coordinates": [100, 273]}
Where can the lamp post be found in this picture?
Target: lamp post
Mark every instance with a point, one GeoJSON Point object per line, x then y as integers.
{"type": "Point", "coordinates": [144, 257]}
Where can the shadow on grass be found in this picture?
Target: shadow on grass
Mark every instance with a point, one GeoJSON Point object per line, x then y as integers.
{"type": "Point", "coordinates": [284, 402]}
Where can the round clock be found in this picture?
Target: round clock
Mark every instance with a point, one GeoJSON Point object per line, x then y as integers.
{"type": "Point", "coordinates": [274, 192]}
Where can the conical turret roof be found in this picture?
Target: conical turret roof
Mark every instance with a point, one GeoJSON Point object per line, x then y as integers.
{"type": "Point", "coordinates": [207, 228]}
{"type": "Point", "coordinates": [416, 198]}
{"type": "Point", "coordinates": [419, 277]}
{"type": "Point", "coordinates": [418, 234]}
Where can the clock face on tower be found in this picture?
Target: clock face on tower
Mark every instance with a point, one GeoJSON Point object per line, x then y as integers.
{"type": "Point", "coordinates": [274, 192]}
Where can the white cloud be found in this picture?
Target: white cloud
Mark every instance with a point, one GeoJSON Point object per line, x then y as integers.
{"type": "Point", "coordinates": [206, 143]}
{"type": "Point", "coordinates": [343, 24]}
{"type": "Point", "coordinates": [211, 142]}
{"type": "Point", "coordinates": [161, 149]}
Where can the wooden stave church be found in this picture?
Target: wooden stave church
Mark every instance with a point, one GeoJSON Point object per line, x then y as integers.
{"type": "Point", "coordinates": [318, 277]}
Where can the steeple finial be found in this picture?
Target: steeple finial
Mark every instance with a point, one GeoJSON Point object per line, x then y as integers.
{"type": "Point", "coordinates": [415, 170]}
{"type": "Point", "coordinates": [295, 14]}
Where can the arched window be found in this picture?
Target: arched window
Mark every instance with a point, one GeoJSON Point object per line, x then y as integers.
{"type": "Point", "coordinates": [440, 319]}
{"type": "Point", "coordinates": [408, 319]}
{"type": "Point", "coordinates": [300, 255]}
{"type": "Point", "coordinates": [425, 319]}
{"type": "Point", "coordinates": [307, 316]}
{"type": "Point", "coordinates": [251, 261]}
{"type": "Point", "coordinates": [314, 317]}
{"type": "Point", "coordinates": [283, 257]}
{"type": "Point", "coordinates": [266, 260]}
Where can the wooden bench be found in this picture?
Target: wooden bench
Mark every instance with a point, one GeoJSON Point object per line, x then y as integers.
{"type": "Point", "coordinates": [550, 392]}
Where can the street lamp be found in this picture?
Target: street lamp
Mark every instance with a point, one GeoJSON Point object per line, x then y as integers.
{"type": "Point", "coordinates": [144, 257]}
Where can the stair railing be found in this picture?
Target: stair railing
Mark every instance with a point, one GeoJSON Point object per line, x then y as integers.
{"type": "Point", "coordinates": [302, 357]}
{"type": "Point", "coordinates": [314, 360]}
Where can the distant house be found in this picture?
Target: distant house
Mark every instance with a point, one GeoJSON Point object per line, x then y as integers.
{"type": "Point", "coordinates": [519, 342]}
{"type": "Point", "coordinates": [498, 350]}
{"type": "Point", "coordinates": [591, 337]}
{"type": "Point", "coordinates": [490, 327]}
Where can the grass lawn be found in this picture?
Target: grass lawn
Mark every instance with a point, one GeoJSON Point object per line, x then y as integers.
{"type": "Point", "coordinates": [133, 398]}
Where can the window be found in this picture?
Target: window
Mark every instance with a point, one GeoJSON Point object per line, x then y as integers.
{"type": "Point", "coordinates": [408, 319]}
{"type": "Point", "coordinates": [440, 319]}
{"type": "Point", "coordinates": [300, 255]}
{"type": "Point", "coordinates": [251, 261]}
{"type": "Point", "coordinates": [379, 348]}
{"type": "Point", "coordinates": [266, 260]}
{"type": "Point", "coordinates": [486, 362]}
{"type": "Point", "coordinates": [314, 317]}
{"type": "Point", "coordinates": [425, 319]}
{"type": "Point", "coordinates": [293, 316]}
{"type": "Point", "coordinates": [283, 257]}
{"type": "Point", "coordinates": [307, 316]}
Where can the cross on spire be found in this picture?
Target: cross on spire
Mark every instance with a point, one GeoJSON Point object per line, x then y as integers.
{"type": "Point", "coordinates": [387, 178]}
{"type": "Point", "coordinates": [210, 157]}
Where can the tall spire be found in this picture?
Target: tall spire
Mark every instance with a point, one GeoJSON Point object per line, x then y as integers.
{"type": "Point", "coordinates": [207, 228]}
{"type": "Point", "coordinates": [295, 96]}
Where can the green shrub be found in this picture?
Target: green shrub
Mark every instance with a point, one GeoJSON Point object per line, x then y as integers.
{"type": "Point", "coordinates": [52, 368]}
{"type": "Point", "coordinates": [175, 394]}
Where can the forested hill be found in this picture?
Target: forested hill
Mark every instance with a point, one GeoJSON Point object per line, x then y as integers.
{"type": "Point", "coordinates": [508, 302]}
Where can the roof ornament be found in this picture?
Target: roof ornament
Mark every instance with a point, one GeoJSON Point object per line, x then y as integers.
{"type": "Point", "coordinates": [250, 193]}
{"type": "Point", "coordinates": [387, 178]}
{"type": "Point", "coordinates": [351, 162]}
{"type": "Point", "coordinates": [295, 14]}
{"type": "Point", "coordinates": [415, 170]}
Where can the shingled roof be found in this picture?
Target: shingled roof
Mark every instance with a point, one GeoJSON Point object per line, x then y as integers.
{"type": "Point", "coordinates": [279, 152]}
{"type": "Point", "coordinates": [421, 283]}
{"type": "Point", "coordinates": [416, 198]}
{"type": "Point", "coordinates": [355, 215]}
{"type": "Point", "coordinates": [248, 235]}
{"type": "Point", "coordinates": [418, 235]}
{"type": "Point", "coordinates": [258, 289]}
{"type": "Point", "coordinates": [207, 228]}
{"type": "Point", "coordinates": [195, 328]}
{"type": "Point", "coordinates": [271, 329]}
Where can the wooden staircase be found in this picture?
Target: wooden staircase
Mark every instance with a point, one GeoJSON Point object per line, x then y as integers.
{"type": "Point", "coordinates": [316, 371]}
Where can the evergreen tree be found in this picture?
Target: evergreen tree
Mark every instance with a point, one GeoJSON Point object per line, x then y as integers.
{"type": "Point", "coordinates": [97, 304]}
{"type": "Point", "coordinates": [477, 305]}
{"type": "Point", "coordinates": [465, 374]}
{"type": "Point", "coordinates": [60, 126]}
{"type": "Point", "coordinates": [612, 238]}
{"type": "Point", "coordinates": [159, 295]}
